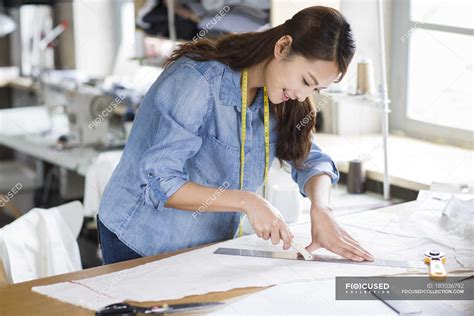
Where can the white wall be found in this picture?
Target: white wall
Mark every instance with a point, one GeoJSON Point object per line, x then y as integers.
{"type": "Point", "coordinates": [281, 10]}
{"type": "Point", "coordinates": [363, 17]}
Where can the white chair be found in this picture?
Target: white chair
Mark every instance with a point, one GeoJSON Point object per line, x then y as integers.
{"type": "Point", "coordinates": [97, 176]}
{"type": "Point", "coordinates": [41, 243]}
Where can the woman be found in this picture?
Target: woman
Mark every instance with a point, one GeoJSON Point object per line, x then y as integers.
{"type": "Point", "coordinates": [184, 178]}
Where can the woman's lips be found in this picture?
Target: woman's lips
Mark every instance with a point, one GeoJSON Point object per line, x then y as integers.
{"type": "Point", "coordinates": [285, 95]}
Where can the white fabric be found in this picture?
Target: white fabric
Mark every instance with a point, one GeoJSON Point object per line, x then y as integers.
{"type": "Point", "coordinates": [458, 217]}
{"type": "Point", "coordinates": [12, 121]}
{"type": "Point", "coordinates": [200, 271]}
{"type": "Point", "coordinates": [97, 177]}
{"type": "Point", "coordinates": [42, 243]}
{"type": "Point", "coordinates": [423, 219]}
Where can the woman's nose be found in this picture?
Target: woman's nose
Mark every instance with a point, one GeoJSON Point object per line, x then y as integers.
{"type": "Point", "coordinates": [303, 95]}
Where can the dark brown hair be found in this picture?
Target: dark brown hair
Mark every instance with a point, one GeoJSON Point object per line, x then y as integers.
{"type": "Point", "coordinates": [319, 33]}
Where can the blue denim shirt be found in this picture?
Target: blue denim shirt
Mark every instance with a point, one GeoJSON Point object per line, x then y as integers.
{"type": "Point", "coordinates": [188, 129]}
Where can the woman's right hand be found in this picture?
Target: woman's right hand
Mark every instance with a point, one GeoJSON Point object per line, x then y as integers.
{"type": "Point", "coordinates": [267, 221]}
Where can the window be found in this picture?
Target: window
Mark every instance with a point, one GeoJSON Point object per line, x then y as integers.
{"type": "Point", "coordinates": [432, 70]}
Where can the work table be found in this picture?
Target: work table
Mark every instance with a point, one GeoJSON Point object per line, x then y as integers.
{"type": "Point", "coordinates": [19, 299]}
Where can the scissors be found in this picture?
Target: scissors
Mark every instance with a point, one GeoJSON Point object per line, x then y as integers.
{"type": "Point", "coordinates": [125, 309]}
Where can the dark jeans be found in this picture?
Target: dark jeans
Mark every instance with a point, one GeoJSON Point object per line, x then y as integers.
{"type": "Point", "coordinates": [113, 250]}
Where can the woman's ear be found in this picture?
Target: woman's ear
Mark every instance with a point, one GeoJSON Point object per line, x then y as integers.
{"type": "Point", "coordinates": [282, 47]}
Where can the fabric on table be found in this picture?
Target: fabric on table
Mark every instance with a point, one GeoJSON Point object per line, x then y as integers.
{"type": "Point", "coordinates": [423, 220]}
{"type": "Point", "coordinates": [200, 271]}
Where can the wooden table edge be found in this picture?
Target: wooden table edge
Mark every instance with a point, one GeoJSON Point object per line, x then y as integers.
{"type": "Point", "coordinates": [19, 299]}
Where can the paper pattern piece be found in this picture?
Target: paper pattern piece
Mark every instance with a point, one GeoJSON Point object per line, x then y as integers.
{"type": "Point", "coordinates": [319, 298]}
{"type": "Point", "coordinates": [200, 271]}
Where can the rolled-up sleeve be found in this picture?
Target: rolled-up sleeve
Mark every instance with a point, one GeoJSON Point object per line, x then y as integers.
{"type": "Point", "coordinates": [316, 163]}
{"type": "Point", "coordinates": [181, 102]}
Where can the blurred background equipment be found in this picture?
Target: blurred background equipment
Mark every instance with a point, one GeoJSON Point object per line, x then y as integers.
{"type": "Point", "coordinates": [7, 25]}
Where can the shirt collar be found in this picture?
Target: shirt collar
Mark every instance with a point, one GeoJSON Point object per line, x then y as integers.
{"type": "Point", "coordinates": [229, 93]}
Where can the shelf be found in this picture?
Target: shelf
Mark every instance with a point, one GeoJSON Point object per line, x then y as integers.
{"type": "Point", "coordinates": [413, 164]}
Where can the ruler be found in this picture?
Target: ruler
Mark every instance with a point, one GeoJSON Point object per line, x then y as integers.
{"type": "Point", "coordinates": [296, 256]}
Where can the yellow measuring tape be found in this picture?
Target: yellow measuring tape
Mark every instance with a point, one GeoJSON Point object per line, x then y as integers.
{"type": "Point", "coordinates": [266, 119]}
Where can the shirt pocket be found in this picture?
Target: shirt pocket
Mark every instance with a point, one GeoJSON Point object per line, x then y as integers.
{"type": "Point", "coordinates": [217, 163]}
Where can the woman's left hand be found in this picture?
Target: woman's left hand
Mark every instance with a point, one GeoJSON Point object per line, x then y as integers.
{"type": "Point", "coordinates": [328, 234]}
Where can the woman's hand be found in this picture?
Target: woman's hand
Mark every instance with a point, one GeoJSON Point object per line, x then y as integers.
{"type": "Point", "coordinates": [327, 233]}
{"type": "Point", "coordinates": [267, 221]}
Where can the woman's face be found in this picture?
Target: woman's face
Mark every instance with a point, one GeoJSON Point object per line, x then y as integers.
{"type": "Point", "coordinates": [296, 78]}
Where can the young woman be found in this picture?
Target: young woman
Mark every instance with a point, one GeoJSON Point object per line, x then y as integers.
{"type": "Point", "coordinates": [207, 131]}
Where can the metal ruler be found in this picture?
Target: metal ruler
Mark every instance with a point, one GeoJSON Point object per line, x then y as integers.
{"type": "Point", "coordinates": [296, 256]}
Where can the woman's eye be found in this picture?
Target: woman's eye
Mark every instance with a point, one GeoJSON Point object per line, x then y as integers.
{"type": "Point", "coordinates": [306, 83]}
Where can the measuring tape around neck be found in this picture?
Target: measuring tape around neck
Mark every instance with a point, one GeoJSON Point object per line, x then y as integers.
{"type": "Point", "coordinates": [266, 119]}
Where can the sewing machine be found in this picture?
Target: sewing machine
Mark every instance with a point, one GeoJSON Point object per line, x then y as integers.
{"type": "Point", "coordinates": [88, 109]}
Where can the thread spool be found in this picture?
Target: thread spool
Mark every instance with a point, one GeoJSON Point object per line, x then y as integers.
{"type": "Point", "coordinates": [365, 78]}
{"type": "Point", "coordinates": [356, 177]}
